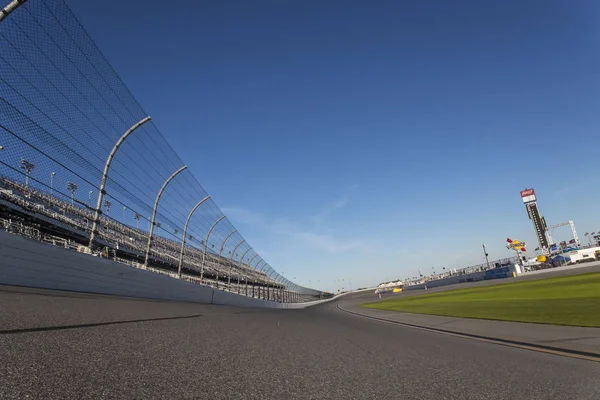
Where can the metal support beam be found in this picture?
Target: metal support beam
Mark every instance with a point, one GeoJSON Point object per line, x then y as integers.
{"type": "Point", "coordinates": [102, 190]}
{"type": "Point", "coordinates": [152, 220]}
{"type": "Point", "coordinates": [572, 224]}
{"type": "Point", "coordinates": [267, 270]}
{"type": "Point", "coordinates": [263, 267]}
{"type": "Point", "coordinates": [206, 244]}
{"type": "Point", "coordinates": [221, 251]}
{"type": "Point", "coordinates": [231, 258]}
{"type": "Point", "coordinates": [569, 223]}
{"type": "Point", "coordinates": [198, 204]}
{"type": "Point", "coordinates": [261, 261]}
{"type": "Point", "coordinates": [243, 255]}
{"type": "Point", "coordinates": [225, 240]}
{"type": "Point", "coordinates": [12, 6]}
{"type": "Point", "coordinates": [249, 264]}
{"type": "Point", "coordinates": [242, 260]}
{"type": "Point", "coordinates": [252, 259]}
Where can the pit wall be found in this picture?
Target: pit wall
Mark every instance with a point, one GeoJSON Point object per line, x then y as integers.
{"type": "Point", "coordinates": [498, 273]}
{"type": "Point", "coordinates": [26, 262]}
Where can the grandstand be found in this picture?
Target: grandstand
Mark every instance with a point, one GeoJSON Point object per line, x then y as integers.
{"type": "Point", "coordinates": [41, 216]}
{"type": "Point", "coordinates": [65, 118]}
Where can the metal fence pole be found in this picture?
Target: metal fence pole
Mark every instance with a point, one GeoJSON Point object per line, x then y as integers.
{"type": "Point", "coordinates": [268, 284]}
{"type": "Point", "coordinates": [221, 251]}
{"type": "Point", "coordinates": [263, 267]}
{"type": "Point", "coordinates": [185, 234]}
{"type": "Point", "coordinates": [231, 258]}
{"type": "Point", "coordinates": [249, 262]}
{"type": "Point", "coordinates": [242, 260]}
{"type": "Point", "coordinates": [152, 220]}
{"type": "Point", "coordinates": [206, 244]}
{"type": "Point", "coordinates": [261, 261]}
{"type": "Point", "coordinates": [243, 255]}
{"type": "Point", "coordinates": [12, 6]}
{"type": "Point", "coordinates": [277, 289]}
{"type": "Point", "coordinates": [102, 190]}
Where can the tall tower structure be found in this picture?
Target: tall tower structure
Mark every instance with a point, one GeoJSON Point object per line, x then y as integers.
{"type": "Point", "coordinates": [539, 224]}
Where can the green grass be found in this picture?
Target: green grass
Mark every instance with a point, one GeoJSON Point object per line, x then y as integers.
{"type": "Point", "coordinates": [569, 300]}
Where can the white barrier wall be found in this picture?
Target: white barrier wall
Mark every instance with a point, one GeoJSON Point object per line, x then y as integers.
{"type": "Point", "coordinates": [472, 277]}
{"type": "Point", "coordinates": [26, 262]}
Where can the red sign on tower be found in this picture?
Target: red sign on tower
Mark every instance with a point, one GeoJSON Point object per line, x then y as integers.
{"type": "Point", "coordinates": [528, 195]}
{"type": "Point", "coordinates": [527, 192]}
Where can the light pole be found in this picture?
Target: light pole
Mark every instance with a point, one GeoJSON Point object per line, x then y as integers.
{"type": "Point", "coordinates": [90, 197]}
{"type": "Point", "coordinates": [52, 183]}
{"type": "Point", "coordinates": [124, 208]}
{"type": "Point", "coordinates": [27, 167]}
{"type": "Point", "coordinates": [108, 205]}
{"type": "Point", "coordinates": [72, 187]}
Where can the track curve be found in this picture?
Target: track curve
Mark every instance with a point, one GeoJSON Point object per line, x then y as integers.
{"type": "Point", "coordinates": [69, 345]}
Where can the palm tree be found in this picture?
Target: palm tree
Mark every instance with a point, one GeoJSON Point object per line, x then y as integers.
{"type": "Point", "coordinates": [137, 220]}
{"type": "Point", "coordinates": [27, 167]}
{"type": "Point", "coordinates": [72, 187]}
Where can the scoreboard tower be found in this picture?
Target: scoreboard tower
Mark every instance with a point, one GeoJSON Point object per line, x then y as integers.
{"type": "Point", "coordinates": [539, 224]}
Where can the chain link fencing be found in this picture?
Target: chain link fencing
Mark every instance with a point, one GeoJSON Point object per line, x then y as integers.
{"type": "Point", "coordinates": [62, 110]}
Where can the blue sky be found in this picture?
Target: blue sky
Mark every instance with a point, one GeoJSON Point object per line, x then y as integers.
{"type": "Point", "coordinates": [363, 140]}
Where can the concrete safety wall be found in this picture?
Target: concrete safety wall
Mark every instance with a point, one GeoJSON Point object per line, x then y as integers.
{"type": "Point", "coordinates": [26, 262]}
{"type": "Point", "coordinates": [498, 273]}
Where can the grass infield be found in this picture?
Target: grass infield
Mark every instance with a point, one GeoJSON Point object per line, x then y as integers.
{"type": "Point", "coordinates": [569, 300]}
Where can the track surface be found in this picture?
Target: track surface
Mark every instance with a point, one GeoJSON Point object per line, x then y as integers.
{"type": "Point", "coordinates": [77, 346]}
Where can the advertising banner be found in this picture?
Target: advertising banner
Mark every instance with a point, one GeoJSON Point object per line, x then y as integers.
{"type": "Point", "coordinates": [528, 195]}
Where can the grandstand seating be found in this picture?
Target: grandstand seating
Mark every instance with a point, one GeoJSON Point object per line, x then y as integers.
{"type": "Point", "coordinates": [41, 216]}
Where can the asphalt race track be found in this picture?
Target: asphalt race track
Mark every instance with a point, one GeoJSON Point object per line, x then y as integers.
{"type": "Point", "coordinates": [79, 346]}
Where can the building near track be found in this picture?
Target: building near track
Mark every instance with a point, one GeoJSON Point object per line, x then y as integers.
{"type": "Point", "coordinates": [583, 255]}
{"type": "Point", "coordinates": [389, 286]}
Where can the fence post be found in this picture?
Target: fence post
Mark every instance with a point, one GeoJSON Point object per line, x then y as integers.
{"type": "Point", "coordinates": [185, 233]}
{"type": "Point", "coordinates": [12, 6]}
{"type": "Point", "coordinates": [160, 192]}
{"type": "Point", "coordinates": [221, 251]}
{"type": "Point", "coordinates": [102, 190]}
{"type": "Point", "coordinates": [206, 244]}
{"type": "Point", "coordinates": [261, 261]}
{"type": "Point", "coordinates": [252, 259]}
{"type": "Point", "coordinates": [231, 258]}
